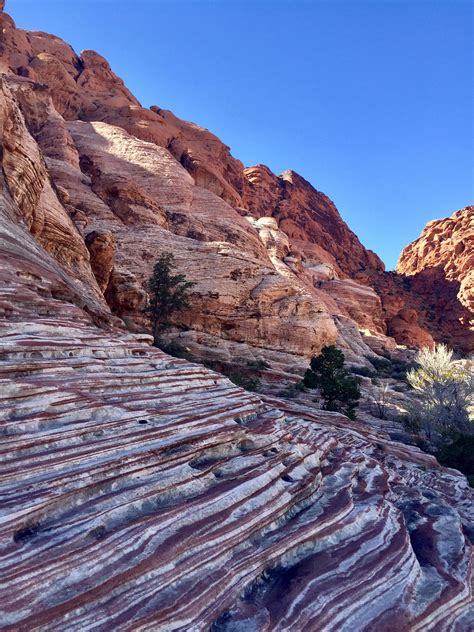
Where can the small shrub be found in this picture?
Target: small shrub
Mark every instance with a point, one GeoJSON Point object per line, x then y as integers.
{"type": "Point", "coordinates": [381, 365]}
{"type": "Point", "coordinates": [242, 376]}
{"type": "Point", "coordinates": [411, 424]}
{"type": "Point", "coordinates": [422, 444]}
{"type": "Point", "coordinates": [394, 368]}
{"type": "Point", "coordinates": [444, 392]}
{"type": "Point", "coordinates": [459, 454]}
{"type": "Point", "coordinates": [167, 294]}
{"type": "Point", "coordinates": [292, 391]}
{"type": "Point", "coordinates": [244, 381]}
{"type": "Point", "coordinates": [380, 401]}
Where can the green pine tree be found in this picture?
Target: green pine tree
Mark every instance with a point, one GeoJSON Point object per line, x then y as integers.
{"type": "Point", "coordinates": [339, 389]}
{"type": "Point", "coordinates": [167, 293]}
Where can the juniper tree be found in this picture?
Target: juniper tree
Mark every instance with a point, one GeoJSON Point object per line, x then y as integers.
{"type": "Point", "coordinates": [167, 293]}
{"type": "Point", "coordinates": [339, 390]}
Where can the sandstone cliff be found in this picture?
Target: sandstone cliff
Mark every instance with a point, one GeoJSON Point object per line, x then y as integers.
{"type": "Point", "coordinates": [121, 188]}
{"type": "Point", "coordinates": [139, 492]}
{"type": "Point", "coordinates": [127, 182]}
{"type": "Point", "coordinates": [440, 265]}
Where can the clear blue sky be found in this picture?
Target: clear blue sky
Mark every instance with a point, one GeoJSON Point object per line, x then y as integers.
{"type": "Point", "coordinates": [371, 101]}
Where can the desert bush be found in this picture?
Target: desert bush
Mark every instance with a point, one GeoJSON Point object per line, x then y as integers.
{"type": "Point", "coordinates": [394, 368]}
{"type": "Point", "coordinates": [444, 392]}
{"type": "Point", "coordinates": [411, 424]}
{"type": "Point", "coordinates": [239, 374]}
{"type": "Point", "coordinates": [380, 401]}
{"type": "Point", "coordinates": [292, 391]}
{"type": "Point", "coordinates": [459, 454]}
{"type": "Point", "coordinates": [248, 382]}
{"type": "Point", "coordinates": [399, 370]}
{"type": "Point", "coordinates": [381, 365]}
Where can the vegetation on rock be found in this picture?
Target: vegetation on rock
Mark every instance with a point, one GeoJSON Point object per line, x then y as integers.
{"type": "Point", "coordinates": [339, 390]}
{"type": "Point", "coordinates": [389, 367]}
{"type": "Point", "coordinates": [460, 455]}
{"type": "Point", "coordinates": [444, 393]}
{"type": "Point", "coordinates": [380, 401]}
{"type": "Point", "coordinates": [167, 293]}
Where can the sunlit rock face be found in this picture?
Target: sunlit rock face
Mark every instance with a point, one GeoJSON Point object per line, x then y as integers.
{"type": "Point", "coordinates": [256, 284]}
{"type": "Point", "coordinates": [308, 217]}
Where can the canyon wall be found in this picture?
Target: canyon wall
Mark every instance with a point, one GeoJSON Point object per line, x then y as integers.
{"type": "Point", "coordinates": [439, 266]}
{"type": "Point", "coordinates": [278, 272]}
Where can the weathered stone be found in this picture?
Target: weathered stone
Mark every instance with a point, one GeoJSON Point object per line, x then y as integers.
{"type": "Point", "coordinates": [100, 245]}
{"type": "Point", "coordinates": [440, 266]}
{"type": "Point", "coordinates": [318, 245]}
{"type": "Point", "coordinates": [178, 501]}
{"type": "Point", "coordinates": [138, 491]}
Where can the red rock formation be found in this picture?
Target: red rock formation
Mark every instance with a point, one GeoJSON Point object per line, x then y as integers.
{"type": "Point", "coordinates": [36, 204]}
{"type": "Point", "coordinates": [52, 83]}
{"type": "Point", "coordinates": [309, 218]}
{"type": "Point", "coordinates": [440, 266]}
{"type": "Point", "coordinates": [447, 244]}
{"type": "Point", "coordinates": [101, 248]}
{"type": "Point", "coordinates": [142, 492]}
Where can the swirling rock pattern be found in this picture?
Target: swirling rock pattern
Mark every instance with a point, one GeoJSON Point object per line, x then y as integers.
{"type": "Point", "coordinates": [142, 492]}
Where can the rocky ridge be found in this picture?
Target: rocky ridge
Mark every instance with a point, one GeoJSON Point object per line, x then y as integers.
{"type": "Point", "coordinates": [292, 276]}
{"type": "Point", "coordinates": [441, 261]}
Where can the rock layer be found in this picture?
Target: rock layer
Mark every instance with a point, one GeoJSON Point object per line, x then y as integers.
{"type": "Point", "coordinates": [139, 491]}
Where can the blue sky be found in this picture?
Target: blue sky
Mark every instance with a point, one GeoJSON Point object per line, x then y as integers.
{"type": "Point", "coordinates": [371, 101]}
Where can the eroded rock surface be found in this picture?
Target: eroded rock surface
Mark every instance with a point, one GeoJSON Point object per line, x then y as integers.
{"type": "Point", "coordinates": [99, 147]}
{"type": "Point", "coordinates": [142, 492]}
{"type": "Point", "coordinates": [440, 265]}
